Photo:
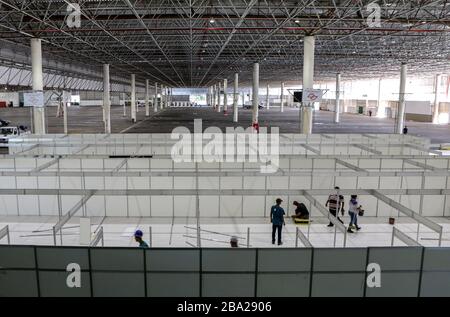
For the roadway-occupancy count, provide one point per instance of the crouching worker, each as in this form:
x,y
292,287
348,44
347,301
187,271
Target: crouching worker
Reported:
x,y
138,238
301,213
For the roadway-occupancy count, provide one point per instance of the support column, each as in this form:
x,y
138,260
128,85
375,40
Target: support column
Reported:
x,y
436,99
337,109
235,97
147,99
225,97
306,110
106,99
267,97
380,110
155,101
282,97
133,97
124,104
401,99
213,96
218,96
255,93
38,84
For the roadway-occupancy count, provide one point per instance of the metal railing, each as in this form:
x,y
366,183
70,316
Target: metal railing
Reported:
x,y
4,232
97,238
396,233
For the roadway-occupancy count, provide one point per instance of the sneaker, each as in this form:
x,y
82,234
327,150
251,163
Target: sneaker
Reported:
x,y
350,230
358,228
330,225
273,242
352,226
280,243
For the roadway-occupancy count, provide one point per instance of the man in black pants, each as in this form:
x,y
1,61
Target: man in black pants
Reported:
x,y
277,220
336,202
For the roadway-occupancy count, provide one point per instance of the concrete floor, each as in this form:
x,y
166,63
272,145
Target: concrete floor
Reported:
x,y
216,232
89,120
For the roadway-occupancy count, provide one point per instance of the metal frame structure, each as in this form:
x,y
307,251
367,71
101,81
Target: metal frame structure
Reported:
x,y
196,43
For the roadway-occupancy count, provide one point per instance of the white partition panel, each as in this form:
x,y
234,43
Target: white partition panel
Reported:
x,y
185,206
411,182
162,206
433,205
254,182
233,182
300,182
8,205
384,210
230,206
28,205
209,206
139,206
368,182
48,205
161,182
184,183
27,182
253,206
435,182
116,206
95,206
346,182
141,182
390,182
323,182
7,182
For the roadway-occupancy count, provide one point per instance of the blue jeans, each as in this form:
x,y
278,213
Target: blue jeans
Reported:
x,y
353,218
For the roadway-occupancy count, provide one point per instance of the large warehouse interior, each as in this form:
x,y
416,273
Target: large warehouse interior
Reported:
x,y
224,148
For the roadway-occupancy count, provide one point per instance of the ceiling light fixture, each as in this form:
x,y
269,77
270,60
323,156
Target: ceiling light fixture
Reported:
x,y
212,20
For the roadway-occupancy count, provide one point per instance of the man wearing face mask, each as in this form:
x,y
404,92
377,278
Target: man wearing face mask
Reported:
x,y
335,203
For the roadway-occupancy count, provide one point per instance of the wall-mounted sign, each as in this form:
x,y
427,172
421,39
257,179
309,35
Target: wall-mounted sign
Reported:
x,y
33,99
312,95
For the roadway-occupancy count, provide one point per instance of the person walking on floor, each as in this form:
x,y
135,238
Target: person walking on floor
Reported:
x,y
335,203
277,220
138,238
353,210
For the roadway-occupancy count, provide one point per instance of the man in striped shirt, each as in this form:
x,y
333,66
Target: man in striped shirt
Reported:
x,y
335,203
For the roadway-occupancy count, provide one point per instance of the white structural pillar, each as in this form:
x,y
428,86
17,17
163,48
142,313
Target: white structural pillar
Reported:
x,y
106,99
380,110
401,99
267,97
306,111
225,97
337,109
38,84
235,97
255,92
155,101
133,97
282,98
161,105
147,98
124,104
218,96
436,99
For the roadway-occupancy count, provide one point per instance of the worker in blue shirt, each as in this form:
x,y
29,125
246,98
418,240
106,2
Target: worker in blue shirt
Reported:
x,y
277,220
138,237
